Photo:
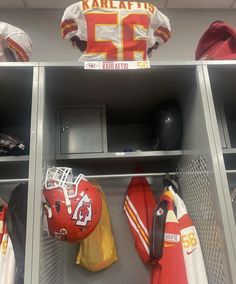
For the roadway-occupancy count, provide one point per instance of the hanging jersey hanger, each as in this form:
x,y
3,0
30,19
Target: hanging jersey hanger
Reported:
x,y
167,181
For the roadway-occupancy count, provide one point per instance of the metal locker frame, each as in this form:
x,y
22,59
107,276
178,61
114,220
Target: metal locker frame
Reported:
x,y
217,194
39,175
225,217
32,162
220,170
31,182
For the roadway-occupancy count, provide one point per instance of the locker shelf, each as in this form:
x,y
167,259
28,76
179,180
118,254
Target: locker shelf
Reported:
x,y
123,155
229,151
8,159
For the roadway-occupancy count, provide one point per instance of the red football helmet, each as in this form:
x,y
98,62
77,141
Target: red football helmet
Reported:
x,y
71,209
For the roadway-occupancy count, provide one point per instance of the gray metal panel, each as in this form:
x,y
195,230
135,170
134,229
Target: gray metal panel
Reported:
x,y
198,140
19,64
222,183
130,136
222,125
52,258
123,155
229,151
196,191
81,130
218,62
129,269
35,260
31,183
47,257
216,187
225,127
16,96
16,159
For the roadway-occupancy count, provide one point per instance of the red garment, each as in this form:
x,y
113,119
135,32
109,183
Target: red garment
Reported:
x,y
170,268
139,207
217,43
2,223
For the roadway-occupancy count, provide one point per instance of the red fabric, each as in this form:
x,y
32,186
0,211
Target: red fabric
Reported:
x,y
171,268
3,228
139,207
217,43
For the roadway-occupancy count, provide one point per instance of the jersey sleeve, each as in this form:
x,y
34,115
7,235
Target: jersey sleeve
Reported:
x,y
71,23
21,46
160,29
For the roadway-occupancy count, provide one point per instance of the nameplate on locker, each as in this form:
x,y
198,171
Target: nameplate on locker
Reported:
x,y
116,65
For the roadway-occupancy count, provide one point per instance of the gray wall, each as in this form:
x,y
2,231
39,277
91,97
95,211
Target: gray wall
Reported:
x,y
43,26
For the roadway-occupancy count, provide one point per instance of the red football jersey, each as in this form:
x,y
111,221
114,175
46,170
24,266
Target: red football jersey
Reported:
x,y
2,222
170,268
115,30
139,207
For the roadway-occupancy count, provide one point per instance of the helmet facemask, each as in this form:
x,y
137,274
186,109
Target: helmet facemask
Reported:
x,y
63,177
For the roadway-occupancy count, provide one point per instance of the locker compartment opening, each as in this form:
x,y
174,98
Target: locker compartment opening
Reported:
x,y
232,190
131,101
15,108
223,86
129,98
16,86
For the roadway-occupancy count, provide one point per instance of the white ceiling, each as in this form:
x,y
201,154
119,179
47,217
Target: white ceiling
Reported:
x,y
175,4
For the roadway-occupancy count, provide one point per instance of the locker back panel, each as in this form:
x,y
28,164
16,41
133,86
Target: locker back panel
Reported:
x,y
196,192
130,137
129,268
16,96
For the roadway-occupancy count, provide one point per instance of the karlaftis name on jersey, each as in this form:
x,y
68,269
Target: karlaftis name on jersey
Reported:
x,y
109,4
106,30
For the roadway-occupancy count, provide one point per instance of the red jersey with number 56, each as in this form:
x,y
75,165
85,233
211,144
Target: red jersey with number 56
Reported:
x,y
115,30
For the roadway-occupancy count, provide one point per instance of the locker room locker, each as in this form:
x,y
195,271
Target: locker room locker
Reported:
x,y
18,89
220,82
131,98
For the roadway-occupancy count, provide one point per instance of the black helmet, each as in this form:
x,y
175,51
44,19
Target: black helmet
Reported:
x,y
168,127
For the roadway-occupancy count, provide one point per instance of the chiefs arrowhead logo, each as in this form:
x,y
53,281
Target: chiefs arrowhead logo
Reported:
x,y
83,211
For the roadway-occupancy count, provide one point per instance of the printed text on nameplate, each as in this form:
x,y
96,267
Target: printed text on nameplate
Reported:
x,y
116,65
